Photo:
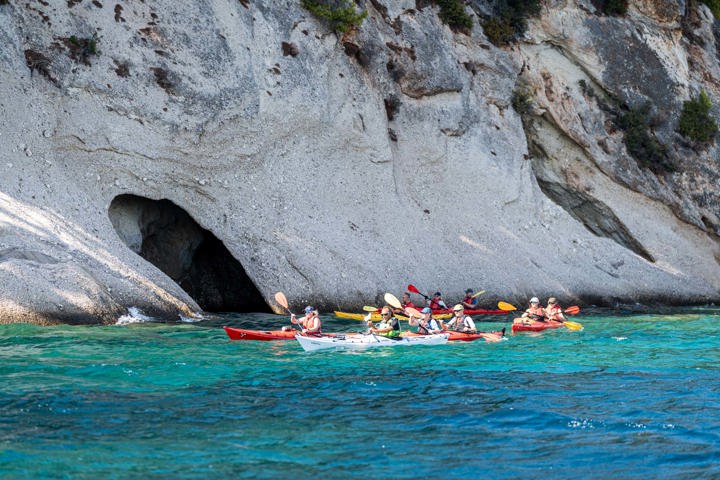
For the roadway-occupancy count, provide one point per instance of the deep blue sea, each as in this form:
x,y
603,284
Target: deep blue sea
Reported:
x,y
633,395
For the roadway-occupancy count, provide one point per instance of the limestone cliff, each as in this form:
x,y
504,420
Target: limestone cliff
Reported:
x,y
175,155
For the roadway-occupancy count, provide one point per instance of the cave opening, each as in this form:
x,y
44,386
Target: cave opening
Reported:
x,y
168,237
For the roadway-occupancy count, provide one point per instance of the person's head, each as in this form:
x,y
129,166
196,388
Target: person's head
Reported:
x,y
309,310
468,292
458,309
552,301
406,297
437,295
386,312
426,312
534,302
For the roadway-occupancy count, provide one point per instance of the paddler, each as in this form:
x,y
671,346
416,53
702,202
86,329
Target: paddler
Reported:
x,y
426,324
389,326
461,322
553,311
534,313
470,302
310,323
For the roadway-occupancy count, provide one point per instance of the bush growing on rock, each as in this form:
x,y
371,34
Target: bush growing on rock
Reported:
x,y
452,13
641,143
616,7
522,100
510,20
695,120
714,7
340,14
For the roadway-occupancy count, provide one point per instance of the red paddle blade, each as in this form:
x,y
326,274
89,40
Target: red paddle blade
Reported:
x,y
412,288
572,310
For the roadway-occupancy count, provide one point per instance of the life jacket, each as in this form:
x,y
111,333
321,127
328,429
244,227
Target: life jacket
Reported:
x,y
408,305
552,312
395,332
536,313
308,324
460,326
430,323
435,305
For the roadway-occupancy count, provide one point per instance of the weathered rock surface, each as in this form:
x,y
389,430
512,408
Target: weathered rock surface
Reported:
x,y
335,169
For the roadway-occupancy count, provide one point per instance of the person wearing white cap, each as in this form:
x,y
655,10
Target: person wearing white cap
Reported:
x,y
310,323
534,313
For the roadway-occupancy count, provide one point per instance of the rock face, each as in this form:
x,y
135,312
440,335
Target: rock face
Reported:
x,y
174,156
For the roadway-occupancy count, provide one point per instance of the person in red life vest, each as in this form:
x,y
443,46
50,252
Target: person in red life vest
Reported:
x,y
405,301
470,302
553,311
534,313
436,302
461,322
310,323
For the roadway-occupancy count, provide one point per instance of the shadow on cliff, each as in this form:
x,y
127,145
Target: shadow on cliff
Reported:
x,y
166,236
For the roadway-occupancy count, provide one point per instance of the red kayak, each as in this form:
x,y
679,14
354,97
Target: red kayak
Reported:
x,y
535,326
461,336
265,335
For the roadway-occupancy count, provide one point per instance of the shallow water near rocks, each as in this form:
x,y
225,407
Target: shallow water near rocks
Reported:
x,y
631,396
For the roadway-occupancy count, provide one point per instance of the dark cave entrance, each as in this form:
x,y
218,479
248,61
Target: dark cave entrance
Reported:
x,y
166,236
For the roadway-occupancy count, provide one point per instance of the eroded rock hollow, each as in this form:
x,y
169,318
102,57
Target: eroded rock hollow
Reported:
x,y
166,236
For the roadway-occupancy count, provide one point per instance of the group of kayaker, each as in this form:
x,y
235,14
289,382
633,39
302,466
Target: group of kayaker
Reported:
x,y
389,325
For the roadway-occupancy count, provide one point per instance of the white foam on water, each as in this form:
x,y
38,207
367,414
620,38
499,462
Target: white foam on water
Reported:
x,y
134,315
195,317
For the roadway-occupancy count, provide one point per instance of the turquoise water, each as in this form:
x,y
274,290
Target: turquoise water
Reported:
x,y
631,396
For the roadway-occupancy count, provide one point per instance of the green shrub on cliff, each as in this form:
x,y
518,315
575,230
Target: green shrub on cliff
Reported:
x,y
522,100
452,13
340,14
695,120
714,7
641,143
616,7
510,20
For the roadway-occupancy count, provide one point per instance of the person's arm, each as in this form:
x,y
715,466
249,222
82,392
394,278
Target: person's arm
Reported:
x,y
470,324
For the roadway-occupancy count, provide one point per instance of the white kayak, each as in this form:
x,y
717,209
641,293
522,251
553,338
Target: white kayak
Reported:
x,y
363,341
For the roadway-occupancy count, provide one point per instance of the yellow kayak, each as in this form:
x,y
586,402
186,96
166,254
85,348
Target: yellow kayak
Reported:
x,y
375,317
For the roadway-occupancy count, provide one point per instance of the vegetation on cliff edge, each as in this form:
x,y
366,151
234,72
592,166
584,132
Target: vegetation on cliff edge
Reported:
x,y
340,15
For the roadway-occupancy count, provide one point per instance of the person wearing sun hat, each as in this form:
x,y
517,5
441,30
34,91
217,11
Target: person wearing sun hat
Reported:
x,y
553,311
461,322
310,323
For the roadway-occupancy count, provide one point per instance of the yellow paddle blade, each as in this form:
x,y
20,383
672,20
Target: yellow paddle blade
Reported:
x,y
478,293
281,299
506,306
392,300
573,325
368,308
